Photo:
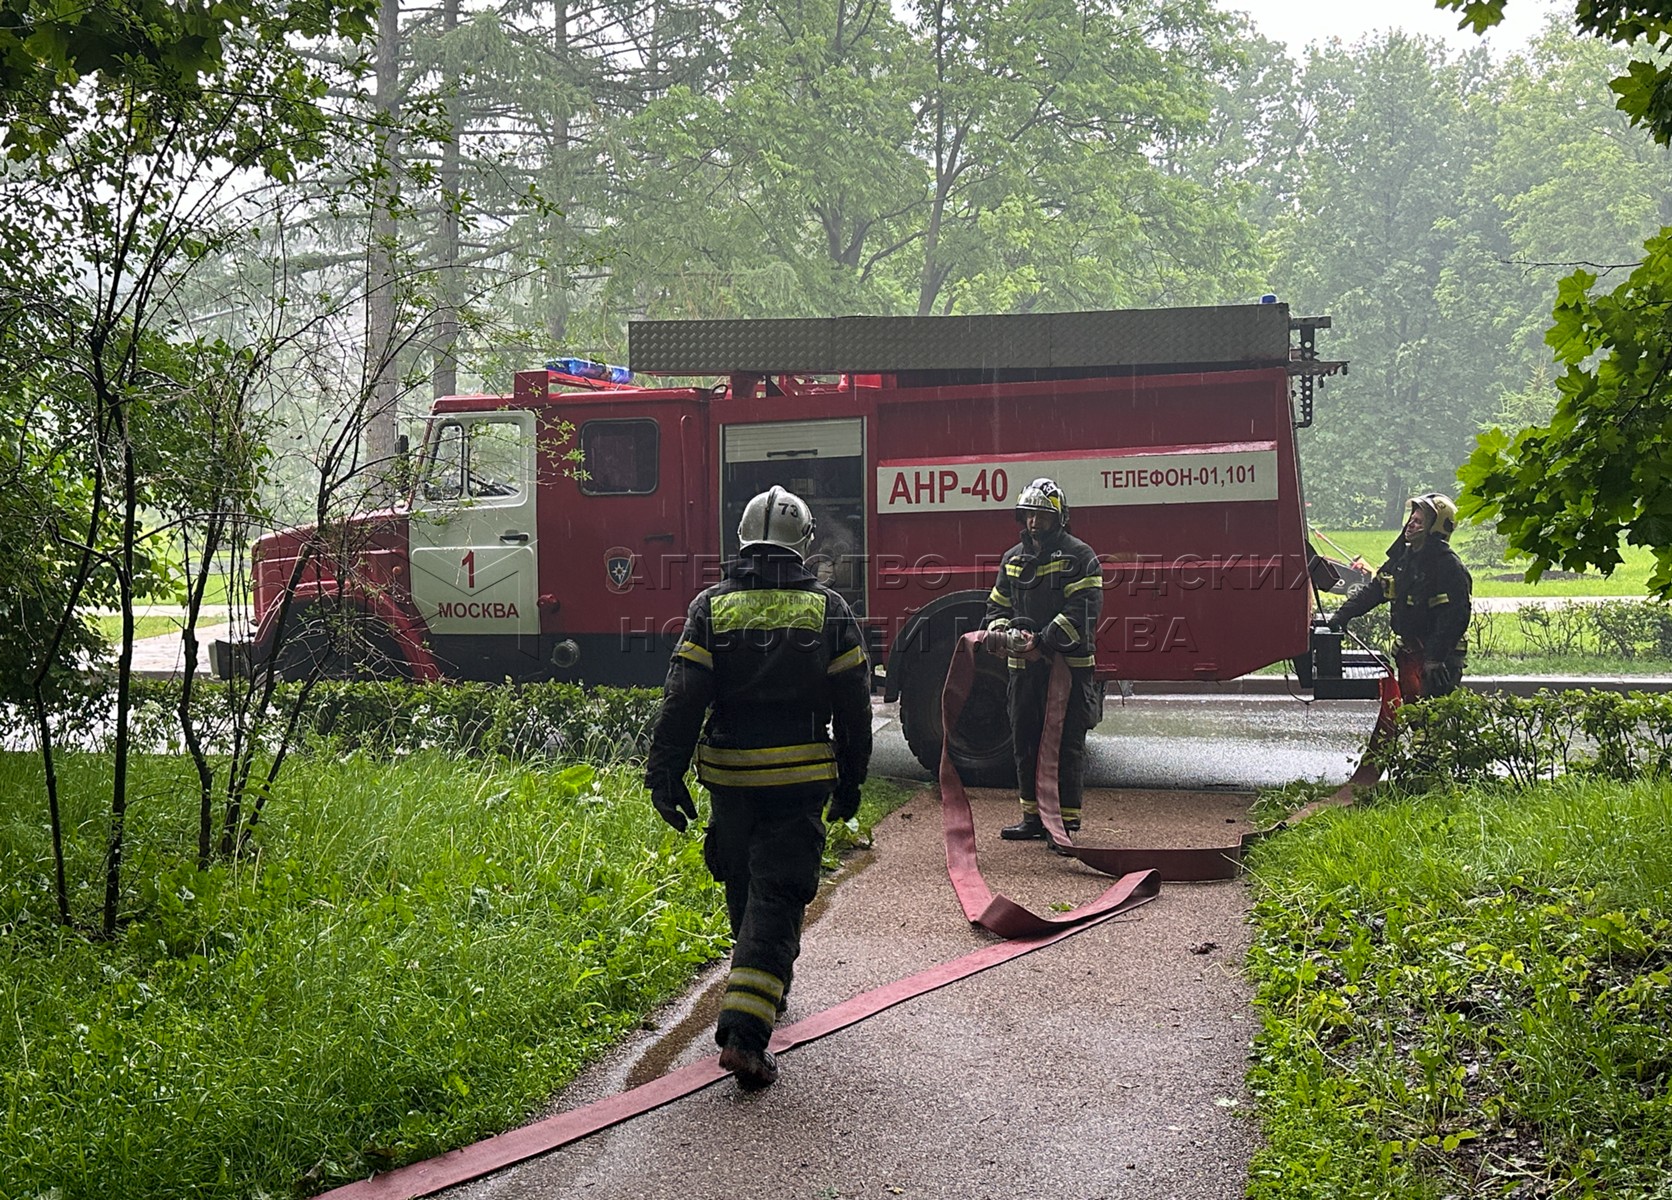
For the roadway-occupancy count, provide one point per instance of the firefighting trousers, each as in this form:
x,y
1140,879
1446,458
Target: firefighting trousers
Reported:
x,y
1028,688
765,851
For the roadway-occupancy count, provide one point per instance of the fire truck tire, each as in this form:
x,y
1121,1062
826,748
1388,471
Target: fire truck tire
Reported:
x,y
981,746
357,647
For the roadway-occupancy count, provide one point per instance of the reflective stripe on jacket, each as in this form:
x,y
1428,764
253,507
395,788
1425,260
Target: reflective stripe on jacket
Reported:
x,y
1054,592
1429,590
769,685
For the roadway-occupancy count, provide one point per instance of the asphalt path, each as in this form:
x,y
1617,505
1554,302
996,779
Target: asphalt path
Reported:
x,y
1108,1065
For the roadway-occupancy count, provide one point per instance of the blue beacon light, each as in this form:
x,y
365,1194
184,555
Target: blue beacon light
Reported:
x,y
585,368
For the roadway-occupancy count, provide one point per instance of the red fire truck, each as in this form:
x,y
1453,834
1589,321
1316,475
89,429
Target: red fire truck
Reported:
x,y
559,532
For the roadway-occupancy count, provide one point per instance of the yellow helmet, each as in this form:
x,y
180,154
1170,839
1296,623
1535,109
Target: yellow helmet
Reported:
x,y
1442,513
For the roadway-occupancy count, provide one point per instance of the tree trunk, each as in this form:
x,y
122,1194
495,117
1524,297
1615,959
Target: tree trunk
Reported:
x,y
444,376
562,194
381,307
124,674
43,726
949,145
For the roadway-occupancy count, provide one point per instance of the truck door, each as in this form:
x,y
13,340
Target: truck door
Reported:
x,y
823,462
473,541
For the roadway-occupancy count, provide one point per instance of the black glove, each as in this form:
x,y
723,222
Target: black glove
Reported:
x,y
844,803
1336,624
673,803
1436,678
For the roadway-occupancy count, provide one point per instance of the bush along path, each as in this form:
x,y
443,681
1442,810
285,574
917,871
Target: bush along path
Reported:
x,y
1466,991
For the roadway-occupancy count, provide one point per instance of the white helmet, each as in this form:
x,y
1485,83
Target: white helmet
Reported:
x,y
777,518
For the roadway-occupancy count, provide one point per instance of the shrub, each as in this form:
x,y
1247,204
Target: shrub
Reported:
x,y
1470,738
521,722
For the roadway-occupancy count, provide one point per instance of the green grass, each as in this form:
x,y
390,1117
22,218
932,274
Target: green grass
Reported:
x,y
1467,995
420,954
144,627
1557,665
1630,579
1569,665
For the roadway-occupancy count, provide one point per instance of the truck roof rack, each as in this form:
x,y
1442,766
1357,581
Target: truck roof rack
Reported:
x,y
1136,341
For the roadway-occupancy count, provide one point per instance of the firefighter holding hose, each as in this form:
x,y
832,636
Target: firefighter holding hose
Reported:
x,y
1428,587
1047,602
770,688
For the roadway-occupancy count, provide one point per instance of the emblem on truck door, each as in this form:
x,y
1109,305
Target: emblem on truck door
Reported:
x,y
618,569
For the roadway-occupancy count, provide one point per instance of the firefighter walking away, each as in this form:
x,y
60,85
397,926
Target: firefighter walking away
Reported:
x,y
1429,588
770,689
1047,601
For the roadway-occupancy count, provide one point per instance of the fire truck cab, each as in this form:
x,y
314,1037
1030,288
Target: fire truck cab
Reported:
x,y
559,532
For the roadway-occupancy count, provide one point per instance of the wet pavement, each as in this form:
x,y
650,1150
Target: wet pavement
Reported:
x,y
1195,742
1108,1065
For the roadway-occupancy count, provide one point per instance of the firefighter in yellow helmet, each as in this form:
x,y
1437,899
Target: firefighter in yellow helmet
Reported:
x,y
1428,587
1046,602
770,689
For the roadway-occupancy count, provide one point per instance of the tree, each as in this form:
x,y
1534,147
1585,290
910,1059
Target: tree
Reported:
x,y
155,46
1053,134
123,426
1568,491
783,190
1382,238
977,157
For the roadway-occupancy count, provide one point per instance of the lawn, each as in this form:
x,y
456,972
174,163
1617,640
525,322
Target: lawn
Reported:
x,y
144,627
419,954
1629,580
1467,996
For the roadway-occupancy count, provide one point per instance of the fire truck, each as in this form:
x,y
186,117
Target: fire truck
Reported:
x,y
559,532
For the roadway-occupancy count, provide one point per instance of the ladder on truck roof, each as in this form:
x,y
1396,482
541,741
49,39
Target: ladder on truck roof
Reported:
x,y
1134,341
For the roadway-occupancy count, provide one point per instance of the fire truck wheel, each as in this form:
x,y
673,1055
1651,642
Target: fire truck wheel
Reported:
x,y
325,645
981,744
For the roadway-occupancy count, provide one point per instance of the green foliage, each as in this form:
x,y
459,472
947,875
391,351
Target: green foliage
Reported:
x,y
1467,996
1476,739
155,48
521,722
421,953
1588,638
981,157
1437,253
1569,491
1386,244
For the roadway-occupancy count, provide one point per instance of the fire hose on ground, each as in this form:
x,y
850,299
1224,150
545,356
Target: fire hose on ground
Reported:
x,y
1139,874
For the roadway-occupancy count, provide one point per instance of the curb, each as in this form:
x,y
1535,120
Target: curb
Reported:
x,y
1515,685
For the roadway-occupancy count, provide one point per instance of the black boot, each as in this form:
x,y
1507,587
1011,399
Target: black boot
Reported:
x,y
1069,826
755,1069
1029,829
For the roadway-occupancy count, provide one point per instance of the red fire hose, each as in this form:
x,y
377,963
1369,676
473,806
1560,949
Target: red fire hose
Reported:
x,y
1007,919
1140,872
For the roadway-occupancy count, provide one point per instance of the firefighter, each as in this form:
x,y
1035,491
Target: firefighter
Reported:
x,y
770,687
1428,586
1046,602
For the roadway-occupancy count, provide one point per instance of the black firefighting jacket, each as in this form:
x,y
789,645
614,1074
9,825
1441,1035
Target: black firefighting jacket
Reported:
x,y
775,662
1429,591
1053,590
